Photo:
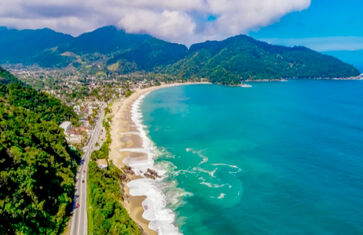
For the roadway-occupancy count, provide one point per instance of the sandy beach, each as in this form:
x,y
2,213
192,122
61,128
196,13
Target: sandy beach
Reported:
x,y
125,136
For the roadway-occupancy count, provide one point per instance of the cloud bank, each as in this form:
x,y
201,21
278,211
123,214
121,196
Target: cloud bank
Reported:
x,y
183,21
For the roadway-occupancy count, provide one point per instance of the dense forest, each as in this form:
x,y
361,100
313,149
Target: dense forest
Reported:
x,y
37,166
242,57
106,46
115,51
105,212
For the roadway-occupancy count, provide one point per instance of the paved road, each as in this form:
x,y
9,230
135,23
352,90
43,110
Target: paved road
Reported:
x,y
79,218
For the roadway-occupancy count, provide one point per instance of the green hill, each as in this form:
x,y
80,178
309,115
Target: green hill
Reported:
x,y
29,46
113,50
106,45
37,165
242,57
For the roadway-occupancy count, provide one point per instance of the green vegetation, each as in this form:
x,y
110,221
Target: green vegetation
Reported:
x,y
31,46
105,212
104,46
242,57
128,92
38,167
19,95
108,52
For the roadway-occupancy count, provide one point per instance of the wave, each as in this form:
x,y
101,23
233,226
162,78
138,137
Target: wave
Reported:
x,y
156,204
161,218
211,173
130,133
133,150
238,170
178,172
213,185
199,154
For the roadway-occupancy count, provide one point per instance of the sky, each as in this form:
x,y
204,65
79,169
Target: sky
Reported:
x,y
323,25
327,25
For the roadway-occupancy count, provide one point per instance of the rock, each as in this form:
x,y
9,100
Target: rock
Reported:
x,y
152,172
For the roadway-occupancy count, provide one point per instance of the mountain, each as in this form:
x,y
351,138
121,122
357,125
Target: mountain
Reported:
x,y
37,167
104,40
242,57
353,57
113,50
106,45
28,46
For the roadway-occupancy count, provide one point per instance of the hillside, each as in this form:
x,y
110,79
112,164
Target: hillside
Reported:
x,y
106,46
37,165
242,57
112,50
31,46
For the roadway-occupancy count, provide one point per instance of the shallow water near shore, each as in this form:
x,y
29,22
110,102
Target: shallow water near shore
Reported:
x,y
277,158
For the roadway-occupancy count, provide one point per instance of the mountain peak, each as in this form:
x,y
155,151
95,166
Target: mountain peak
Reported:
x,y
224,61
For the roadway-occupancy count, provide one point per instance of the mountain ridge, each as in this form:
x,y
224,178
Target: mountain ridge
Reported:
x,y
227,61
241,57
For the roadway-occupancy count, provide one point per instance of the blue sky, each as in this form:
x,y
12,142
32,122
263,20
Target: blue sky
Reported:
x,y
326,25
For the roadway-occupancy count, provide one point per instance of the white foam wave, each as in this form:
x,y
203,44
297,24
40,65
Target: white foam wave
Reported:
x,y
238,170
176,173
210,185
155,205
211,173
224,164
175,195
133,150
165,153
161,219
199,154
138,165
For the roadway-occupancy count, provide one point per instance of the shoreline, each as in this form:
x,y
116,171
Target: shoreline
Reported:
x,y
127,145
316,78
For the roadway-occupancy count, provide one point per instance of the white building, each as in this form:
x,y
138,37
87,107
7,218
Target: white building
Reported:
x,y
102,163
66,126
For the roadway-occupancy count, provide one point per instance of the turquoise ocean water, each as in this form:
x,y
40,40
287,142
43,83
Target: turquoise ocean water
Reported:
x,y
277,158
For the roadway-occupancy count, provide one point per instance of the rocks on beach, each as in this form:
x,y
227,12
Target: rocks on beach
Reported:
x,y
152,174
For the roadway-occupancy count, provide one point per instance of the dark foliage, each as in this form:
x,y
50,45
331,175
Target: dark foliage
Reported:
x,y
242,57
20,95
37,167
225,62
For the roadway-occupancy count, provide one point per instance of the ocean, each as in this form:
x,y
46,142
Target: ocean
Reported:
x,y
277,158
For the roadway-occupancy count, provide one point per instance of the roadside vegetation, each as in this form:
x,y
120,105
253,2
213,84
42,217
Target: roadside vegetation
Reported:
x,y
105,212
37,167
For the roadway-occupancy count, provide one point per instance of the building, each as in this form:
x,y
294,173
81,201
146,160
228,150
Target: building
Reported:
x,y
66,126
102,163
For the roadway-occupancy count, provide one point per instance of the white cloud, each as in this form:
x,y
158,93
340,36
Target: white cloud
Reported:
x,y
182,21
166,24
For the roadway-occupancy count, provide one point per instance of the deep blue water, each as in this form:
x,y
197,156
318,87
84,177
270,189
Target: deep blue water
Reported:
x,y
277,158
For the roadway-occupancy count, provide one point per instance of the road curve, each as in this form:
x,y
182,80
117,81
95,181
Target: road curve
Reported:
x,y
79,223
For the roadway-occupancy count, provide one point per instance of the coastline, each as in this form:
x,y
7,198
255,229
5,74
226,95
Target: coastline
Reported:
x,y
359,77
128,145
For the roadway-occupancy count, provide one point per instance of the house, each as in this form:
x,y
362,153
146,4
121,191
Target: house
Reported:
x,y
102,163
66,126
